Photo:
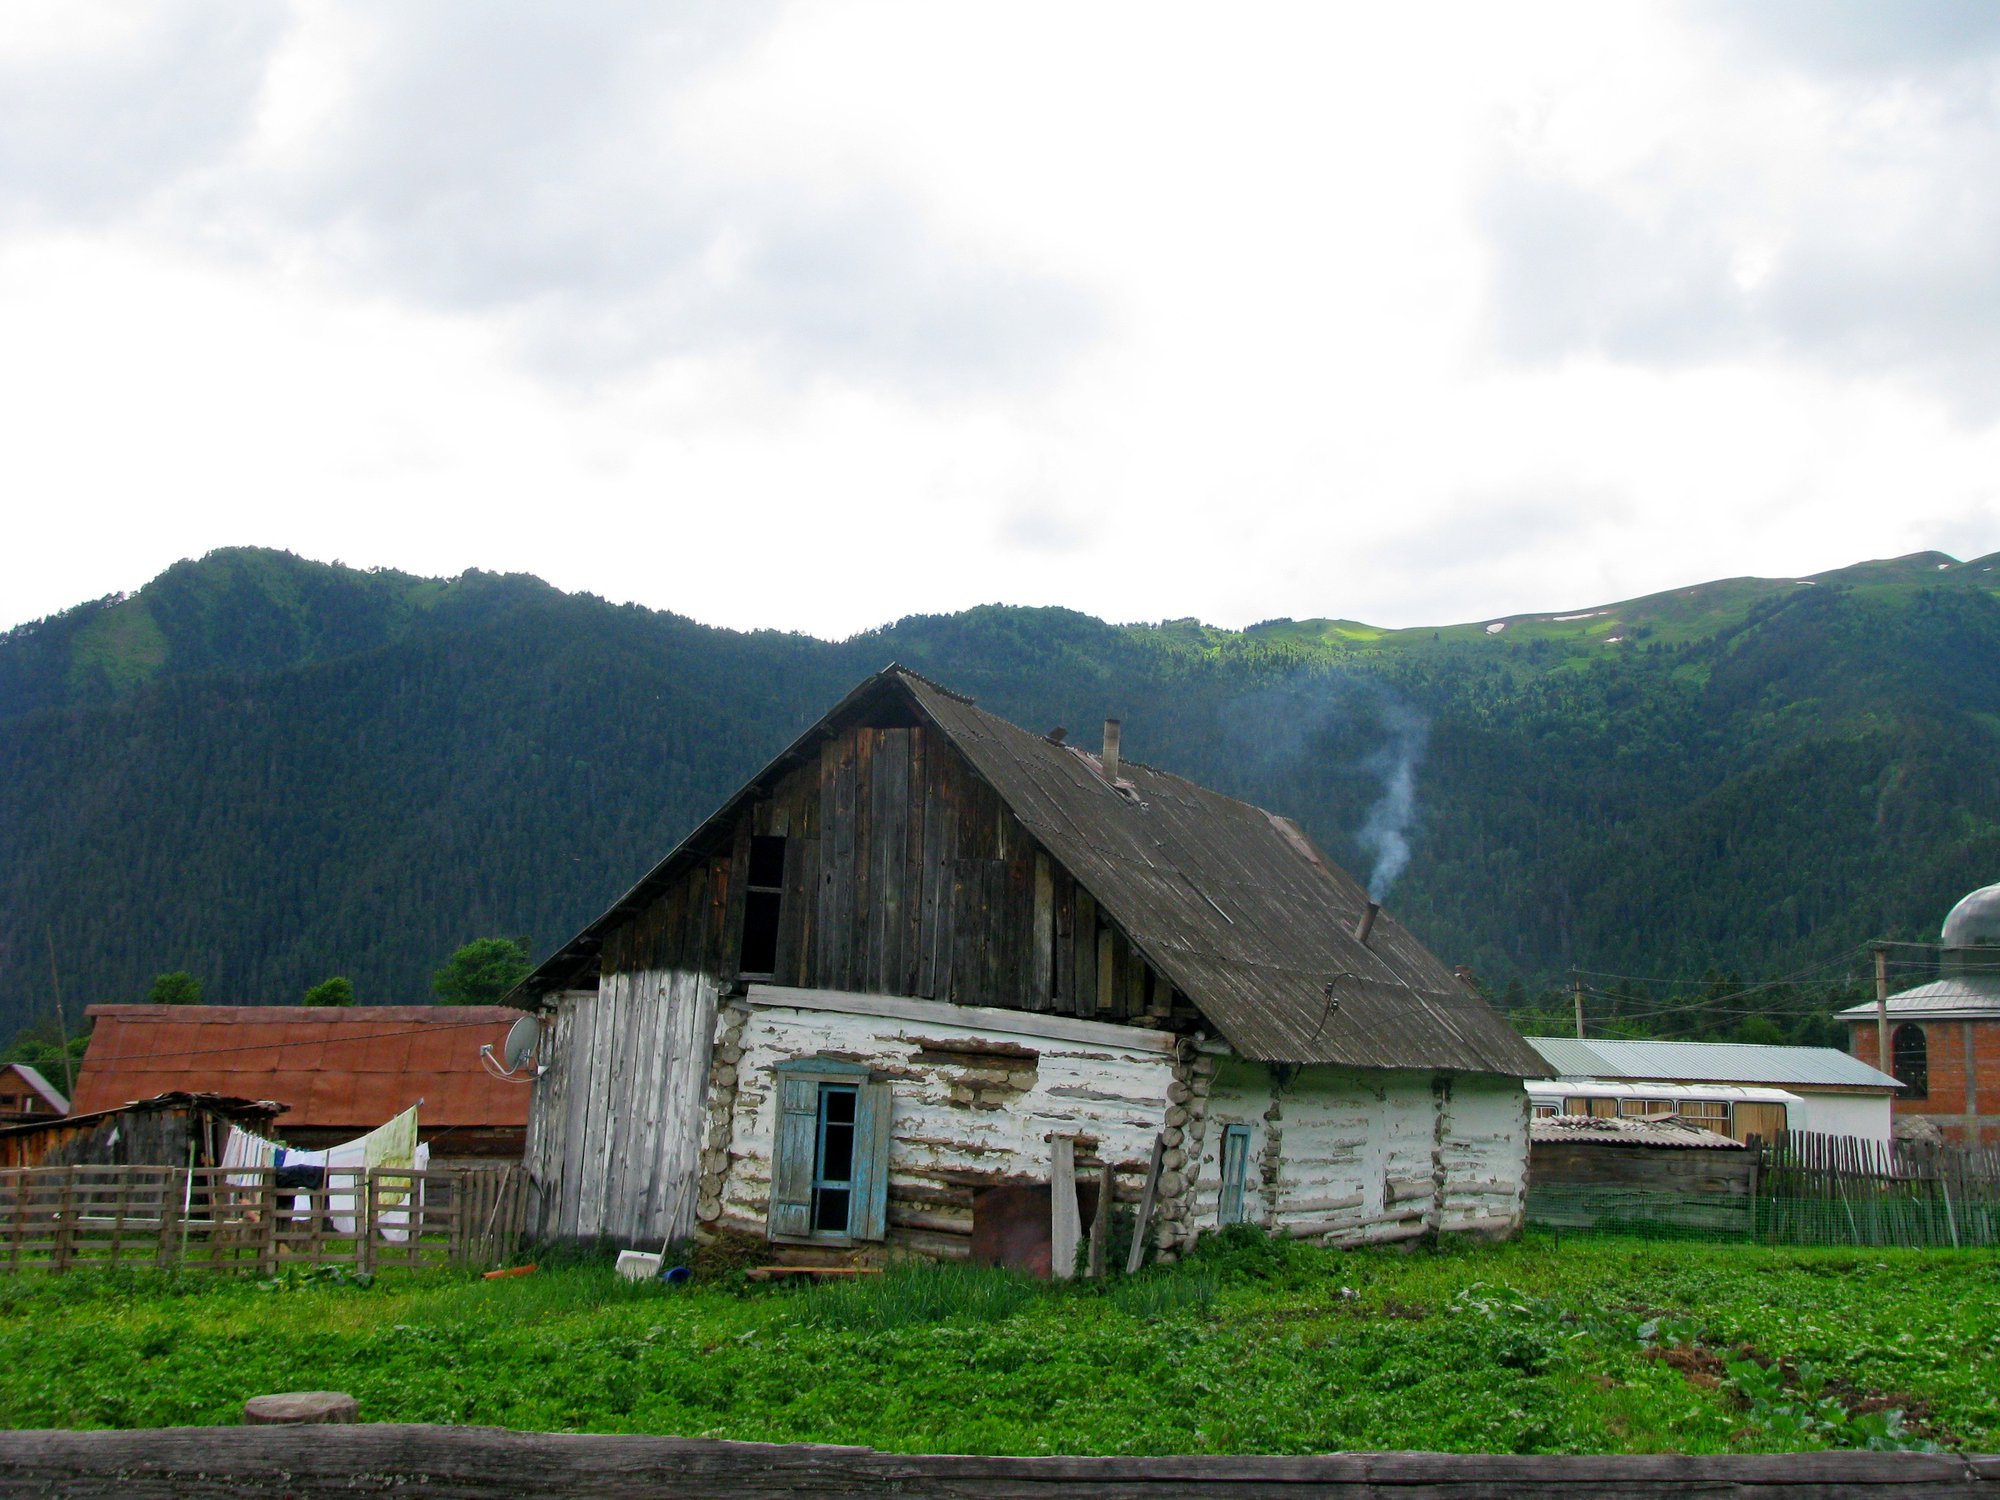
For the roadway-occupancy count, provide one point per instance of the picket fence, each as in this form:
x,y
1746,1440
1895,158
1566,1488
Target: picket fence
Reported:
x,y
1801,1188
1841,1190
239,1219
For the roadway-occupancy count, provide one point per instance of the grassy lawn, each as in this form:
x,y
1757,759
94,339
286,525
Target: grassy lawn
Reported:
x,y
1254,1348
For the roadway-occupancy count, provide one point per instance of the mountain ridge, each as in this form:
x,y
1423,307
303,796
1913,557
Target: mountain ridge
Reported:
x,y
1756,775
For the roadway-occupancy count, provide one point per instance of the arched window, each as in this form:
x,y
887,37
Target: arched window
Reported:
x,y
1909,1059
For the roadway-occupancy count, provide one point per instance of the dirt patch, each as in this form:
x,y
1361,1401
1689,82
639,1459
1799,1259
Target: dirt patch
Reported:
x,y
1699,1366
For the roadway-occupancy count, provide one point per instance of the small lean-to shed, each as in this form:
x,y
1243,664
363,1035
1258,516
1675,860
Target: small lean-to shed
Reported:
x,y
1593,1171
174,1129
924,954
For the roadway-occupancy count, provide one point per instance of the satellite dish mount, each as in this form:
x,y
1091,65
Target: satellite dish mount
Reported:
x,y
524,1038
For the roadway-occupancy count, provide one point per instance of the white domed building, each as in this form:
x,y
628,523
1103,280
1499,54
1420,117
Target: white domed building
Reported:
x,y
1944,1036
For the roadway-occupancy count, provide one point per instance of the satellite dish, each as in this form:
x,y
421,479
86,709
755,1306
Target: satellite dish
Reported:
x,y
522,1038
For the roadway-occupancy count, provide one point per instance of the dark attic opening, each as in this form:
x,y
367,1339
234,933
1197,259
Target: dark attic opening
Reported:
x,y
763,899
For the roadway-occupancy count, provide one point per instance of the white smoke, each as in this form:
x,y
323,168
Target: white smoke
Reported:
x,y
1385,831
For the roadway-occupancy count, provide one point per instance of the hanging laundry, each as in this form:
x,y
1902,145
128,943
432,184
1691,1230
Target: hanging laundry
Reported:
x,y
388,1146
247,1152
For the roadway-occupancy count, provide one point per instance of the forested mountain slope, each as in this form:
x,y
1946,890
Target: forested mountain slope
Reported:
x,y
267,770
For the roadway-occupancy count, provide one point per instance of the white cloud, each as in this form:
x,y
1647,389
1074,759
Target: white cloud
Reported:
x,y
815,316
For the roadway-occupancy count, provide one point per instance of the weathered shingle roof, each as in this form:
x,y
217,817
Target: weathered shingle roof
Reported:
x,y
1238,908
345,1066
1232,904
1707,1062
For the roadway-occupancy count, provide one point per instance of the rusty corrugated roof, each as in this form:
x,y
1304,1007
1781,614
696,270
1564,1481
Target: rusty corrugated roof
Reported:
x,y
1233,904
351,1066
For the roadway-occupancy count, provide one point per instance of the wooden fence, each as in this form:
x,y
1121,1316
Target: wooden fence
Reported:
x,y
1799,1189
1843,1190
241,1219
320,1463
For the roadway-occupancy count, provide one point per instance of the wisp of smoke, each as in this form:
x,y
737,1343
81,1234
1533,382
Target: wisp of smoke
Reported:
x,y
1385,831
1289,730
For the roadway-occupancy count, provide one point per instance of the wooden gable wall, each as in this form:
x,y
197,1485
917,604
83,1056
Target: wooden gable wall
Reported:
x,y
904,874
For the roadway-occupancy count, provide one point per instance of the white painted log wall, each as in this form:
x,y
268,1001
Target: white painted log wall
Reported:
x,y
1355,1152
1485,1155
940,1150
614,1129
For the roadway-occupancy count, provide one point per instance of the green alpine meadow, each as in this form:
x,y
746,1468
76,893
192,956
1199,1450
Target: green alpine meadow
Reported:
x,y
1252,1346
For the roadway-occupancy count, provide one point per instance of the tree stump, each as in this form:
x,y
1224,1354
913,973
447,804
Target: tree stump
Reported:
x,y
295,1408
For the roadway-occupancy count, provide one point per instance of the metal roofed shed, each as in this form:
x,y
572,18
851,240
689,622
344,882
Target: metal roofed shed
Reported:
x,y
1837,1094
1666,1175
341,1070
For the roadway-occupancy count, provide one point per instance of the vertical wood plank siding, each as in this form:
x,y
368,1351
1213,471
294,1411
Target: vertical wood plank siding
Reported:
x,y
904,874
614,1149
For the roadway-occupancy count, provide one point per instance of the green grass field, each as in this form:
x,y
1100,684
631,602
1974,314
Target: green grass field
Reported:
x,y
1255,1348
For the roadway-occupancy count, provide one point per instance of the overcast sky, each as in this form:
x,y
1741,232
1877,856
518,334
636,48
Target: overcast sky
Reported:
x,y
813,316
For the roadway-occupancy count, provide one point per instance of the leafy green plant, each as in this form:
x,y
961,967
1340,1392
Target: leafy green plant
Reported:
x,y
916,1292
1167,1292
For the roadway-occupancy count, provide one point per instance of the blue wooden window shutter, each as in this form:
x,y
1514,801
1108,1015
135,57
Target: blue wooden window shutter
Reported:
x,y
795,1164
792,1155
870,1212
1235,1166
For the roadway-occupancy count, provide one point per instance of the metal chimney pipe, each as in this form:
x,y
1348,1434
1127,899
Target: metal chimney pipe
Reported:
x,y
1110,756
1367,923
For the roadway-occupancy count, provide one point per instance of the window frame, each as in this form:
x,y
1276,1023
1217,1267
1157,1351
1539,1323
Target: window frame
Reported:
x,y
1901,1058
751,891
796,1166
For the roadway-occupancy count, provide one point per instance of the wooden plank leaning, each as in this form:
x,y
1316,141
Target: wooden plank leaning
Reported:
x,y
1147,1198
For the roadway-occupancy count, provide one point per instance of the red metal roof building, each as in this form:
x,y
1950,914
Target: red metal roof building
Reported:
x,y
341,1070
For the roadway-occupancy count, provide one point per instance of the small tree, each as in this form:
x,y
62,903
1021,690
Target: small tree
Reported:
x,y
482,971
177,988
335,991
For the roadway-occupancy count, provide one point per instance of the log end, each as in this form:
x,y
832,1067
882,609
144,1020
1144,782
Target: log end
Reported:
x,y
296,1408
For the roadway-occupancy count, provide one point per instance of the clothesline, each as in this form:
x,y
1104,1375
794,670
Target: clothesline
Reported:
x,y
391,1145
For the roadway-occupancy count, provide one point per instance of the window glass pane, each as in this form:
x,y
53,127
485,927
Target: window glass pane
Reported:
x,y
833,1173
830,1211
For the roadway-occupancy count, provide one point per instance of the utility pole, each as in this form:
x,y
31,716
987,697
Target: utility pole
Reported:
x,y
62,1022
1576,994
1882,1007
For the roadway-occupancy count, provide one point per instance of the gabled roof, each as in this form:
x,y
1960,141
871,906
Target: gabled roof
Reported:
x,y
32,1077
332,1066
1708,1062
1232,904
1971,996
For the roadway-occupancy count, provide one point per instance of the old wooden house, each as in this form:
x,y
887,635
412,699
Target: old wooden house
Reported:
x,y
925,953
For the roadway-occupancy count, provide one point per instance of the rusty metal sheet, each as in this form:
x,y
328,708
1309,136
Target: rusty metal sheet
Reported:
x,y
346,1069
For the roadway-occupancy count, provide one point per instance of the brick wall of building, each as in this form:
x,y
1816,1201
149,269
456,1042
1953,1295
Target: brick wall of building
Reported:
x,y
1964,1095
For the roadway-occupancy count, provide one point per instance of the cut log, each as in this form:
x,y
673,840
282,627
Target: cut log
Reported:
x,y
300,1409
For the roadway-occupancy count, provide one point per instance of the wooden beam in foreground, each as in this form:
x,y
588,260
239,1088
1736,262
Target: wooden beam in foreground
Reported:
x,y
471,1463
